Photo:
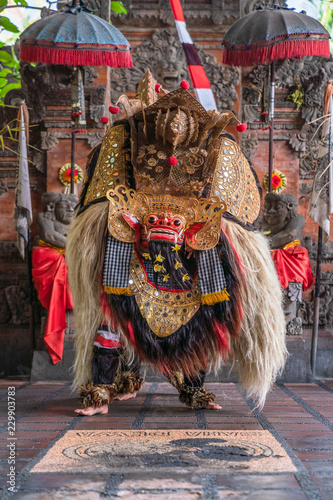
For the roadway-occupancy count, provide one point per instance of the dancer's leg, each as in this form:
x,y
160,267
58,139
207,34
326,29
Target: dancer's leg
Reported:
x,y
112,377
192,391
96,395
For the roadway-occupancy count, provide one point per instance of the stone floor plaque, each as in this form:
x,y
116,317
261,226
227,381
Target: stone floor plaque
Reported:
x,y
203,451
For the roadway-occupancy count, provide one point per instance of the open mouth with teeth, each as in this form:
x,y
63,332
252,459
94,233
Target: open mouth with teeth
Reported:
x,y
163,227
163,234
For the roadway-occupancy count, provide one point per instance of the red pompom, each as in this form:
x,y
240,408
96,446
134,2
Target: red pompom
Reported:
x,y
114,110
172,160
184,85
241,127
158,88
104,120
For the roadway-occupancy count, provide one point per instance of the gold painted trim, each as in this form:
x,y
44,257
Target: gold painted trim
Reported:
x,y
57,249
119,290
165,311
294,243
214,298
110,170
234,183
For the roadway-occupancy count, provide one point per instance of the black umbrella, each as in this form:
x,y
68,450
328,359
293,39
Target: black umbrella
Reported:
x,y
269,34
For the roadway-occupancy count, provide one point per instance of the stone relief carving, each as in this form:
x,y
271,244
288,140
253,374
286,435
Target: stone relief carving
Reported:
x,y
305,310
89,74
43,81
211,12
100,7
249,144
3,188
5,313
94,138
311,246
38,81
96,112
312,73
252,5
18,303
163,54
97,105
9,252
39,160
250,104
48,140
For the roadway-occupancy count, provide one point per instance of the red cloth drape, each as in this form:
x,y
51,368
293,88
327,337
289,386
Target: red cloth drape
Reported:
x,y
50,278
293,265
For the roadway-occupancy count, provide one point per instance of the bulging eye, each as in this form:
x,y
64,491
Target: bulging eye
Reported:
x,y
177,222
151,219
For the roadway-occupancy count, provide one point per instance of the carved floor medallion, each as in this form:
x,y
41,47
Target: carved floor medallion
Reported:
x,y
169,451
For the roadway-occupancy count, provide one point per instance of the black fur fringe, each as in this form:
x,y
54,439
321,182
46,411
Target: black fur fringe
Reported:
x,y
194,345
90,169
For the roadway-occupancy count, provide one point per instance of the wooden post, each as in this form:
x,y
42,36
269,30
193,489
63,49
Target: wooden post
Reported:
x,y
271,128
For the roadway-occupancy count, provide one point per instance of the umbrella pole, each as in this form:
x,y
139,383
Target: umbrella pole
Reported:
x,y
73,161
271,128
316,306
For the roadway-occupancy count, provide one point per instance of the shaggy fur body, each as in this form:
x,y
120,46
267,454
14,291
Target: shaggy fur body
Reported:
x,y
85,254
259,354
253,317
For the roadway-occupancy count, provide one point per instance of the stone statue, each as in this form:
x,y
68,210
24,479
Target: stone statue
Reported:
x,y
54,221
284,226
281,219
50,269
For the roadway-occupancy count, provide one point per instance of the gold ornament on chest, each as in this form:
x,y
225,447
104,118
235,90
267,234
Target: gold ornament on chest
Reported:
x,y
165,311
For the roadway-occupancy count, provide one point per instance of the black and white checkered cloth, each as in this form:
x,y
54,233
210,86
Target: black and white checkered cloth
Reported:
x,y
210,272
116,269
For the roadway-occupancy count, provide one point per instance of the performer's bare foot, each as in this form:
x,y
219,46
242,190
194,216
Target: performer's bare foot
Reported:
x,y
212,406
93,410
123,397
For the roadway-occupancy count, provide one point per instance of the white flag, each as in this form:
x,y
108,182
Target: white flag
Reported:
x,y
23,211
321,199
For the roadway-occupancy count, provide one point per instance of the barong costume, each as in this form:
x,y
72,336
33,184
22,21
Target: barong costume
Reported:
x,y
161,246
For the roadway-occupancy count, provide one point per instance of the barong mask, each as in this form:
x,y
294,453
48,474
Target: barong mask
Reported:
x,y
165,218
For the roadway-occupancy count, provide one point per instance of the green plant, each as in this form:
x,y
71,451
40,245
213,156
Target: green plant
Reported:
x,y
325,14
10,77
297,96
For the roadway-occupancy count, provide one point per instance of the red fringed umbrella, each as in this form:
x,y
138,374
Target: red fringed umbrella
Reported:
x,y
75,37
269,34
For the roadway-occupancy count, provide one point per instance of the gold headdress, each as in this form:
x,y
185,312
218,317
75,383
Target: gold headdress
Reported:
x,y
182,162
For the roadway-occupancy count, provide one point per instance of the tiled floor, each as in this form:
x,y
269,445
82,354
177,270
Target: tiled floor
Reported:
x,y
298,416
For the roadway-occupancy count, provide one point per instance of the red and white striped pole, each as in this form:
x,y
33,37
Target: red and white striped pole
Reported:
x,y
200,82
